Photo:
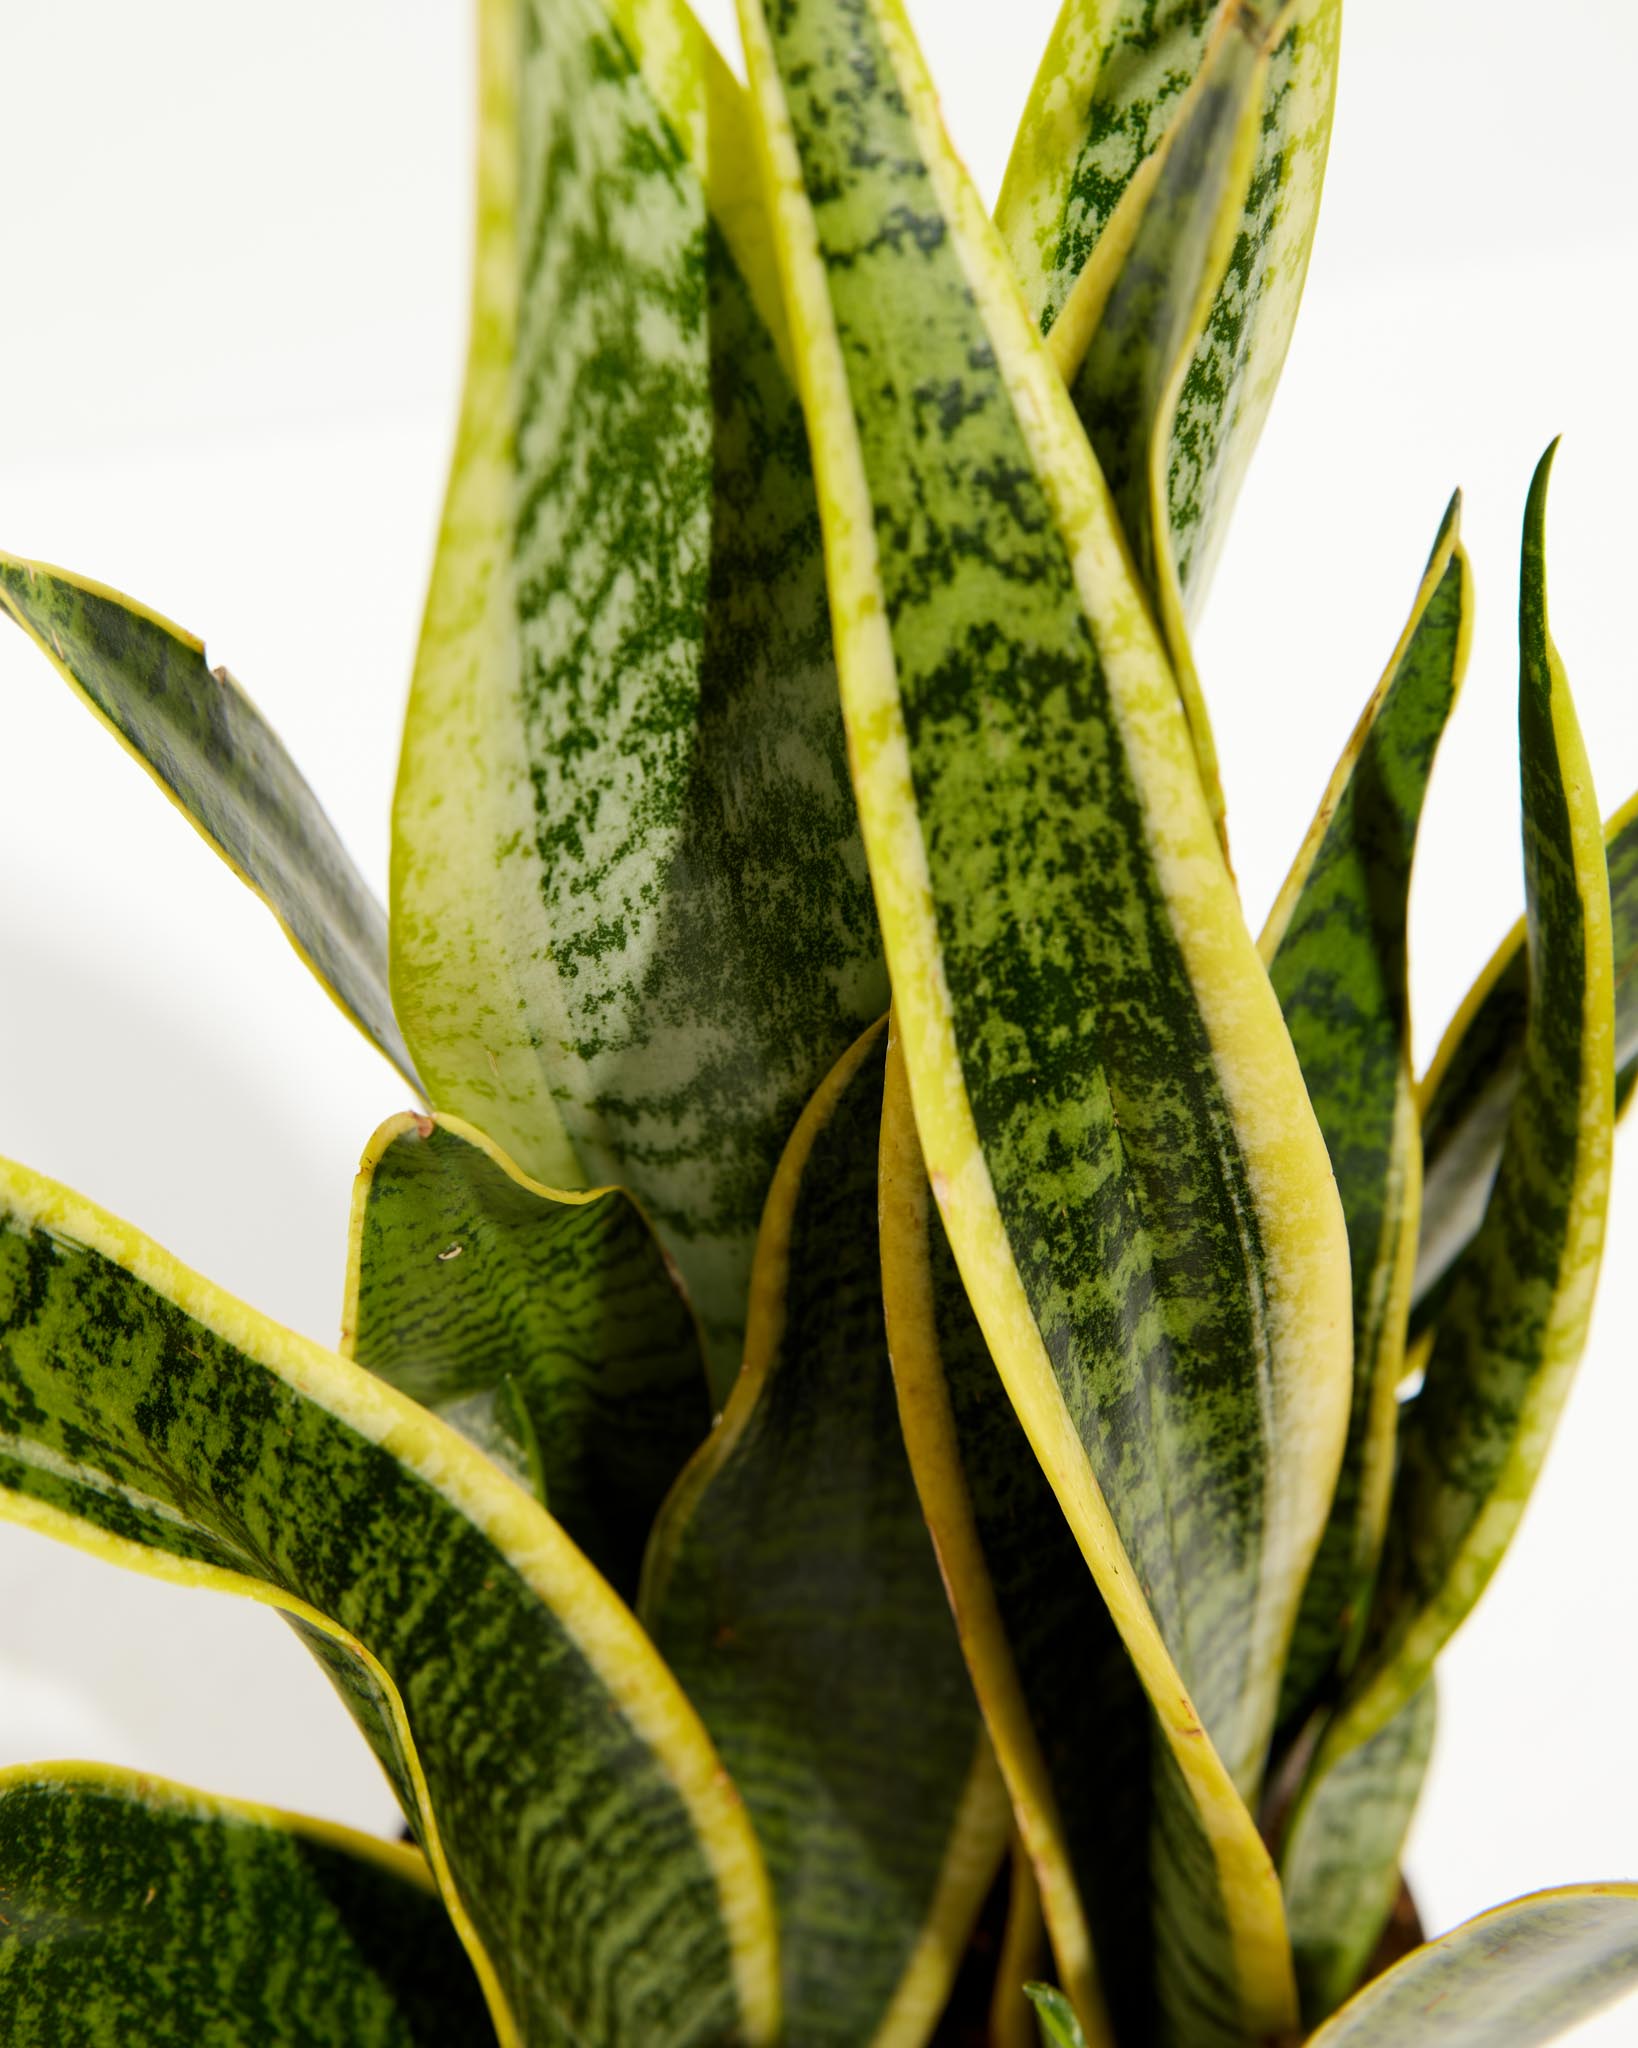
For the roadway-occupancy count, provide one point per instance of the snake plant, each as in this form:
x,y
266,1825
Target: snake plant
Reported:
x,y
915,1404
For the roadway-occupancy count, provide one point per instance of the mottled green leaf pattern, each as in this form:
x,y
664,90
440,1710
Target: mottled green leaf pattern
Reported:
x,y
1109,84
1513,1325
207,746
577,1818
1340,1861
137,1914
1468,1094
631,922
1130,1897
1133,1183
1513,1978
1335,944
544,1326
792,1588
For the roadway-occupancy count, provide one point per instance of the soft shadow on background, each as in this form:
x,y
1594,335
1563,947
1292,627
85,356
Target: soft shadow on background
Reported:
x,y
235,308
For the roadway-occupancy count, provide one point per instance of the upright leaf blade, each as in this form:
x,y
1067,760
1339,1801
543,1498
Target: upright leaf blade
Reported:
x,y
472,1288
631,921
1133,1925
1339,1863
1132,1180
791,1587
593,1856
1137,314
1512,1328
132,1910
1468,1092
1110,85
1335,944
208,748
1513,1978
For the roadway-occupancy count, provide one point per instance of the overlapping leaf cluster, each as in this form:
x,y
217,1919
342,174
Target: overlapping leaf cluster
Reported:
x,y
917,1407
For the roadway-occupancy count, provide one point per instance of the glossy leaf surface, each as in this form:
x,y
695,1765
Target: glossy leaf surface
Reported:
x,y
207,746
1340,1861
1468,1093
1133,1184
594,1857
1335,944
1127,1887
134,1911
1512,1327
631,921
792,1589
1109,89
479,1293
1514,1978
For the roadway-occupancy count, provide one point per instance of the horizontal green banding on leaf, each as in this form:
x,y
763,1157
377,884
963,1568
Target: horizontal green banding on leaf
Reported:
x,y
631,920
1467,1095
1513,1978
1340,1861
480,1293
1153,285
1134,1186
1066,1713
1110,95
792,1589
1335,943
1514,1321
1105,95
136,1911
208,747
587,1842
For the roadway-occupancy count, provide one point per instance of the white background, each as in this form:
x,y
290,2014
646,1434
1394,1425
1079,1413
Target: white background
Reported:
x,y
231,324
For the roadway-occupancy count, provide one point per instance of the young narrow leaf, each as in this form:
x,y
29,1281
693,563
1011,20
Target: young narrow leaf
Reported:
x,y
1023,1952
791,1587
208,748
1513,1325
1513,1978
1335,945
1135,1926
1468,1092
1110,84
136,1911
631,921
1132,1180
1340,1861
591,1851
544,1325
1144,300
1059,2026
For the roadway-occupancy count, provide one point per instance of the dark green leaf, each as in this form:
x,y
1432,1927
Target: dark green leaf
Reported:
x,y
792,1588
546,1327
207,746
137,1914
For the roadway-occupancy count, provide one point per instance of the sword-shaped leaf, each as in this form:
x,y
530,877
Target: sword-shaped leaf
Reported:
x,y
547,1327
1132,1180
133,1911
792,1588
1129,333
1110,84
1513,1978
207,746
631,921
1335,945
1339,1864
1060,2028
1513,1325
591,1851
1468,1091
1098,1809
